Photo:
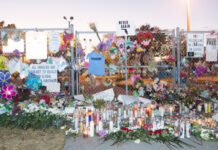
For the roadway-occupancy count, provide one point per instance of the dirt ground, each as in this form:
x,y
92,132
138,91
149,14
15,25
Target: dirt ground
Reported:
x,y
18,139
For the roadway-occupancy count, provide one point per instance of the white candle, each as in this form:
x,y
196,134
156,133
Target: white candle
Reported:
x,y
92,129
199,108
100,126
76,123
162,123
182,130
154,125
124,114
111,125
205,108
188,127
118,122
176,128
162,111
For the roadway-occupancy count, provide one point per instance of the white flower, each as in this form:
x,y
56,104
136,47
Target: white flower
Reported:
x,y
137,141
63,127
115,129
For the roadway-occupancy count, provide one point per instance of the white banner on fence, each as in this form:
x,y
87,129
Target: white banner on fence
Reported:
x,y
46,72
125,27
211,49
36,45
195,45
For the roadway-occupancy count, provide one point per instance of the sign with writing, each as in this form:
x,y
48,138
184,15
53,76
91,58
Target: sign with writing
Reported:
x,y
211,48
195,45
46,72
125,28
54,41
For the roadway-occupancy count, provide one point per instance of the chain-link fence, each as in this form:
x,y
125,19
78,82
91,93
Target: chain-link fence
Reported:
x,y
150,55
198,69
20,63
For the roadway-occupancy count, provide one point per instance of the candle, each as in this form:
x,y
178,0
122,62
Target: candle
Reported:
x,y
199,107
124,114
176,128
76,123
171,110
182,130
100,126
209,107
162,123
85,133
118,122
92,129
199,121
139,122
188,128
87,120
136,113
111,125
81,127
97,118
205,108
162,111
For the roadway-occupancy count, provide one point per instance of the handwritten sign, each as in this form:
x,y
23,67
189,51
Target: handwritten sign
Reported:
x,y
195,45
54,41
46,72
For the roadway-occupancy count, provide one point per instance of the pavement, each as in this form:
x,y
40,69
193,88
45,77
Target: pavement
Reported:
x,y
96,143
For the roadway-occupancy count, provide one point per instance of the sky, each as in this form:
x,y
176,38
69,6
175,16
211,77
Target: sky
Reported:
x,y
166,14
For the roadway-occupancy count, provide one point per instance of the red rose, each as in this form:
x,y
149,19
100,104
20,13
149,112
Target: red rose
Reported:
x,y
150,132
46,98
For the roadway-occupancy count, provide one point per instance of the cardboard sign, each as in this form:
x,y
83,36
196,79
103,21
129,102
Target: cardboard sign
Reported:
x,y
46,72
53,87
211,48
195,45
125,28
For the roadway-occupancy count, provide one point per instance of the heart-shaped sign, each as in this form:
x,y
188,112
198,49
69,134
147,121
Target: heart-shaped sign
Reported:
x,y
147,35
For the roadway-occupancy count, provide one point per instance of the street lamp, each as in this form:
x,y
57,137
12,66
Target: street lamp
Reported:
x,y
69,21
188,14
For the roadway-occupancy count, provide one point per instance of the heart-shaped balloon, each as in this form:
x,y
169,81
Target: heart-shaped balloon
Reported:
x,y
147,35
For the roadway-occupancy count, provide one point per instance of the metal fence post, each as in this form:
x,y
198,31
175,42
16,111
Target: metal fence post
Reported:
x,y
72,60
76,61
178,56
174,55
126,66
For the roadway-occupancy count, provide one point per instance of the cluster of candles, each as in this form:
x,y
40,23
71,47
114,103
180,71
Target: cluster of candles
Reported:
x,y
87,120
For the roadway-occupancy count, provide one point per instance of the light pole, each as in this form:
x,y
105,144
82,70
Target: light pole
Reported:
x,y
69,21
188,14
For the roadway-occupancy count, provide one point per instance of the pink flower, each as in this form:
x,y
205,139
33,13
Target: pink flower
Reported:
x,y
8,91
62,47
134,77
170,58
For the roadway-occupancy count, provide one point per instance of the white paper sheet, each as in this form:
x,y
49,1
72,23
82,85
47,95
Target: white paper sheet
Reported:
x,y
36,45
107,95
13,45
